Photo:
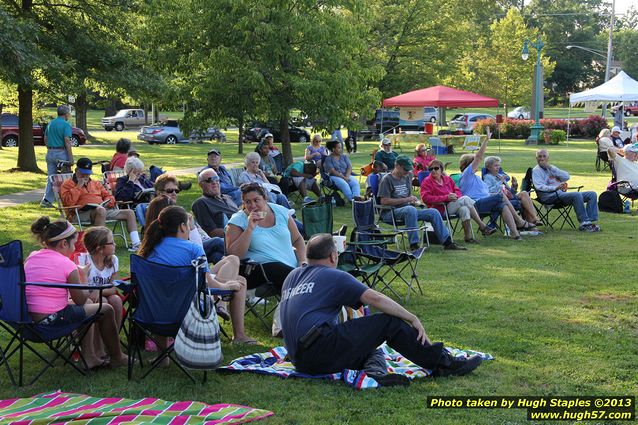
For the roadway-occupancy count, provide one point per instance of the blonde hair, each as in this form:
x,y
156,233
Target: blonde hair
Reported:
x,y
95,238
465,160
418,147
605,132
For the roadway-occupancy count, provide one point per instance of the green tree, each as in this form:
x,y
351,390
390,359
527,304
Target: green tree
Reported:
x,y
264,58
626,42
496,69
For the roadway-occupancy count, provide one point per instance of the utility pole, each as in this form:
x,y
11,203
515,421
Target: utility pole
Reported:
x,y
609,48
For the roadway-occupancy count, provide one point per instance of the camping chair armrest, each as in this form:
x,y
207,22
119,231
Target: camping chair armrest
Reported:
x,y
126,204
71,207
576,188
372,242
220,292
68,285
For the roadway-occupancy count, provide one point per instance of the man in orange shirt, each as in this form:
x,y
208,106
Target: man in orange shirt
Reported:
x,y
95,202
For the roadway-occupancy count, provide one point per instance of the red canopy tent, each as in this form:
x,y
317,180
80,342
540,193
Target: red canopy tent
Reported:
x,y
440,96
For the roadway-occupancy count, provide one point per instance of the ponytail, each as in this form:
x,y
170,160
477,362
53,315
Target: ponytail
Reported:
x,y
167,224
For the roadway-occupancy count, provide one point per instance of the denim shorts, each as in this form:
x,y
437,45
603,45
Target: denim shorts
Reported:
x,y
70,314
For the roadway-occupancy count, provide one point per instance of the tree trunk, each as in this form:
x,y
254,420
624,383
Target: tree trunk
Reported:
x,y
111,109
81,107
240,127
1,106
145,114
26,151
285,138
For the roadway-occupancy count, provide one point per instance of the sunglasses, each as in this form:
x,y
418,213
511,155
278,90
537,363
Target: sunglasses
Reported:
x,y
109,243
434,168
211,180
172,190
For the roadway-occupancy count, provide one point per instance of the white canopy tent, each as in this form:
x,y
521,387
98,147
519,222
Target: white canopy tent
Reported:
x,y
621,88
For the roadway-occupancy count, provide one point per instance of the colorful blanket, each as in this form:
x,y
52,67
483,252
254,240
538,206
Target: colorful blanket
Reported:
x,y
66,408
275,362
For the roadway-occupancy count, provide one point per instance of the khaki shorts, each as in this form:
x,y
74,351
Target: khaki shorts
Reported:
x,y
299,180
86,215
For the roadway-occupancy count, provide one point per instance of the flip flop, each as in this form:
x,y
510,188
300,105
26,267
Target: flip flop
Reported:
x,y
249,341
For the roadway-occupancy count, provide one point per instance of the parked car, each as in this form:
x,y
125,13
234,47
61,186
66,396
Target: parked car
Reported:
x,y
11,132
210,133
127,118
630,110
520,113
297,134
165,132
467,122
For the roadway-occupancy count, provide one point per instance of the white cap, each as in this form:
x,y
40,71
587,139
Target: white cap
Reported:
x,y
386,141
268,135
615,128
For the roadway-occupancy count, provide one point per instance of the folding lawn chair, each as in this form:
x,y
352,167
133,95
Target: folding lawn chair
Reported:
x,y
63,341
56,184
260,305
371,242
545,208
162,296
626,191
317,218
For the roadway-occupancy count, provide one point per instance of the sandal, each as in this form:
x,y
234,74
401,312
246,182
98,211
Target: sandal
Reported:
x,y
488,231
247,341
526,226
222,312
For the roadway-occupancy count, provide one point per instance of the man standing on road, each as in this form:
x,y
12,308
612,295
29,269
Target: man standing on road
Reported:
x,y
311,300
57,139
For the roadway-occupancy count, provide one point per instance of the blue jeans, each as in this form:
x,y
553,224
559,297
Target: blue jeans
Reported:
x,y
411,215
235,195
214,249
350,188
52,158
578,200
492,205
279,199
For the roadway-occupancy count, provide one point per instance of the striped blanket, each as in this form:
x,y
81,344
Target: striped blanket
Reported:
x,y
275,362
66,408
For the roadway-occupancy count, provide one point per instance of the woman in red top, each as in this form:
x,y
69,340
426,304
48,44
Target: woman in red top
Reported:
x,y
438,189
121,154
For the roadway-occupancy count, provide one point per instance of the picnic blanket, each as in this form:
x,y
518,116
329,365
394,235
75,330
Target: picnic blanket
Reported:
x,y
67,408
275,362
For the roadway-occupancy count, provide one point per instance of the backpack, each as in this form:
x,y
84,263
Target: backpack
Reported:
x,y
609,201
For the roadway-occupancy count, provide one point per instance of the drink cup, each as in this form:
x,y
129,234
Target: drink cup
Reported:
x,y
340,242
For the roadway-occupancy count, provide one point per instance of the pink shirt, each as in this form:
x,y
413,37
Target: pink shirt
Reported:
x,y
50,266
423,161
433,191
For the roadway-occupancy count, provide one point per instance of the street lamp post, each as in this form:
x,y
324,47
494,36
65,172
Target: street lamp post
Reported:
x,y
538,89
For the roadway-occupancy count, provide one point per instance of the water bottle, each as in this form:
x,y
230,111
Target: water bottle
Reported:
x,y
334,201
627,208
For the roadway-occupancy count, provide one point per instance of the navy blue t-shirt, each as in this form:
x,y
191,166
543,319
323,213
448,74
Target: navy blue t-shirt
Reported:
x,y
312,296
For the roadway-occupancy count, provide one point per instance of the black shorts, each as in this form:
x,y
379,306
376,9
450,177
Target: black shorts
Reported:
x,y
70,314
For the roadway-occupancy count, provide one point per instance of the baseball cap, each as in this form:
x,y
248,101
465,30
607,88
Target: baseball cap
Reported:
x,y
405,162
214,152
85,166
633,147
267,135
615,128
133,151
386,141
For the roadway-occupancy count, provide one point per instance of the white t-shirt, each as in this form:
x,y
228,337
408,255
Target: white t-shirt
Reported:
x,y
98,277
626,170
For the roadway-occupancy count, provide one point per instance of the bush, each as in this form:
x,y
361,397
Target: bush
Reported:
x,y
520,129
558,136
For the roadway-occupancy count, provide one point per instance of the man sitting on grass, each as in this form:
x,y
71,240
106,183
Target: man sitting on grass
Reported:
x,y
311,300
550,183
95,203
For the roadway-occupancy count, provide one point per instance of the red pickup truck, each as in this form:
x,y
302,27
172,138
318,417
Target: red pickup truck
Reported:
x,y
630,110
11,132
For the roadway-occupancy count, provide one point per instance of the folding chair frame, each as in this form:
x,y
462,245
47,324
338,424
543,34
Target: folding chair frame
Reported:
x,y
262,293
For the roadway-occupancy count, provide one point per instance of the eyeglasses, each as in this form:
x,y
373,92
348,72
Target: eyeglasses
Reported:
x,y
434,168
172,191
211,180
109,243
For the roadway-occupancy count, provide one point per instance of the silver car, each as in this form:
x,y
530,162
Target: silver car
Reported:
x,y
520,113
164,132
467,122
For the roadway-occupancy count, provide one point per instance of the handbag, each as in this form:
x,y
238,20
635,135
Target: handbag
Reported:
x,y
197,344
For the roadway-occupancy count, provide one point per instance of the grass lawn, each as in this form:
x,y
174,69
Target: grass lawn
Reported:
x,y
557,311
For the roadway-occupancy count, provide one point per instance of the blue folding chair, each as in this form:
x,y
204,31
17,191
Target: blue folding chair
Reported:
x,y
162,295
63,341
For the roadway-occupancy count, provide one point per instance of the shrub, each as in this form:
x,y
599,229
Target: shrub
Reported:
x,y
558,136
521,129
